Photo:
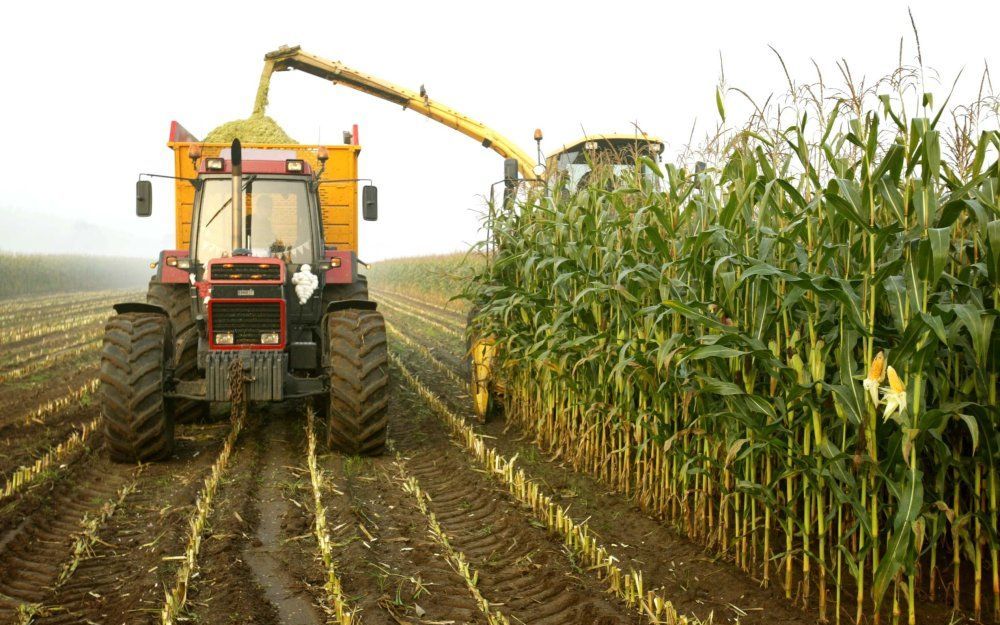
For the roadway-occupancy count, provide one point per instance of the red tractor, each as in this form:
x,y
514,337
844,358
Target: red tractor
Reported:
x,y
265,276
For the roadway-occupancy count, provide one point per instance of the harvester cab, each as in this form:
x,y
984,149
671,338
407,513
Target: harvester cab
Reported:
x,y
601,157
264,279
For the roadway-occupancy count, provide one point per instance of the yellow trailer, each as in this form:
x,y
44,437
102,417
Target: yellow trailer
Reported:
x,y
337,196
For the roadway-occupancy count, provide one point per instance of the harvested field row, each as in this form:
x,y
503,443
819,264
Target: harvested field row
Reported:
x,y
522,568
49,345
19,334
446,326
131,563
32,397
697,583
45,549
430,532
428,311
17,308
27,318
42,358
453,311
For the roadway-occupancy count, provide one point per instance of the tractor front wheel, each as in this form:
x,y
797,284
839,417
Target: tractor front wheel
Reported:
x,y
357,409
176,301
137,419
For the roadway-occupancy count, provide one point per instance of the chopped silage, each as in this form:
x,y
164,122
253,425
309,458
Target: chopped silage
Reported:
x,y
258,128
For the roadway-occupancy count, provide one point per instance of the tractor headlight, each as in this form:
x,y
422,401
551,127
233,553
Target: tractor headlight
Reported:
x,y
223,338
294,166
215,164
270,338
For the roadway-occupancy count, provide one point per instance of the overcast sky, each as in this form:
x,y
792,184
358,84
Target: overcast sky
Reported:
x,y
89,90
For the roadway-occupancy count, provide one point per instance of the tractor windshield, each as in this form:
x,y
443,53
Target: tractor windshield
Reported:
x,y
277,218
578,167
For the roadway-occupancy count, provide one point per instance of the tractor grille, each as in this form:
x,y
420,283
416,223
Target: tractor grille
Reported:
x,y
246,320
245,271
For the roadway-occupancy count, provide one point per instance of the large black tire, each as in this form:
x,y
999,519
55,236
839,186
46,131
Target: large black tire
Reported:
x,y
340,292
175,299
137,419
358,407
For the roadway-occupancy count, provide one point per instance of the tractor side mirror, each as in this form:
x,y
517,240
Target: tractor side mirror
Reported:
x,y
143,198
369,203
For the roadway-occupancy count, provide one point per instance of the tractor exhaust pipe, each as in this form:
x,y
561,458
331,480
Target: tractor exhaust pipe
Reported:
x,y
237,160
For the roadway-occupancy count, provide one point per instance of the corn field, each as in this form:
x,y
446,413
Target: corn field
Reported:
x,y
28,274
788,354
430,278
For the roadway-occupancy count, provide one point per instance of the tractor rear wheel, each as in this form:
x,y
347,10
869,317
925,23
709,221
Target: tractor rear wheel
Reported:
x,y
357,410
137,419
176,300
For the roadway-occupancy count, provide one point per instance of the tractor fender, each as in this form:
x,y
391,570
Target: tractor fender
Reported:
x,y
139,307
351,304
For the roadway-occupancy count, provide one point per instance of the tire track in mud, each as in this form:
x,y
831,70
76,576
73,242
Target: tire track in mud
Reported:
x,y
697,582
33,553
22,400
389,567
523,570
275,562
226,589
51,465
123,577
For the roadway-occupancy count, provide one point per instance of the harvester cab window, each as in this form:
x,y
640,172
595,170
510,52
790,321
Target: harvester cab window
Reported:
x,y
573,166
577,167
277,220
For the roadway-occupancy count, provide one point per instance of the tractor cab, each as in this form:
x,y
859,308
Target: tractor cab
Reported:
x,y
280,210
581,163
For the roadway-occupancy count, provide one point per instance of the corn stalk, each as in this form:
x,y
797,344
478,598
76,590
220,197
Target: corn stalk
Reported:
x,y
699,340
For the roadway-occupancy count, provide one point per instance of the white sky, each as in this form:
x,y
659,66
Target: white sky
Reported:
x,y
89,90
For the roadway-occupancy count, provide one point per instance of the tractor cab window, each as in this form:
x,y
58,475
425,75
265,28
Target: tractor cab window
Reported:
x,y
277,220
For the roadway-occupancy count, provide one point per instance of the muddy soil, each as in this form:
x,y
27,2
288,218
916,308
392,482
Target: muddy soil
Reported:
x,y
699,582
260,561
